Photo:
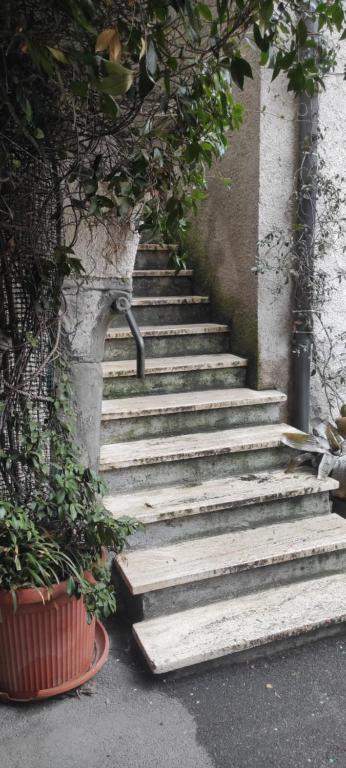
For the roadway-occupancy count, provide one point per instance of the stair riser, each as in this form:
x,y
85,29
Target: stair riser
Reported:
x,y
154,260
169,346
233,585
166,314
181,381
227,520
163,286
194,470
121,430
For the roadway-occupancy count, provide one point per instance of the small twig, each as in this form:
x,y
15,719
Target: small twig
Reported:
x,y
29,395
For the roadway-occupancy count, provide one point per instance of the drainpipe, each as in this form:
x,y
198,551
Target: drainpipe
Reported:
x,y
303,293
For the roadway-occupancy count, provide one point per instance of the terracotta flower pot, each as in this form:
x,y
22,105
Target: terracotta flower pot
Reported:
x,y
46,645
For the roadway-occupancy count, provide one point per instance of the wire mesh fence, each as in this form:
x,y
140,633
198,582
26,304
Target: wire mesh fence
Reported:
x,y
29,234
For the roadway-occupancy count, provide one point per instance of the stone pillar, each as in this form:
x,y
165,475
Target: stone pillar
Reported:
x,y
89,305
260,164
107,252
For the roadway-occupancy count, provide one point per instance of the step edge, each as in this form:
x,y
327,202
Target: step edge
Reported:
x,y
264,562
320,487
160,273
262,443
242,645
148,301
117,372
267,398
159,331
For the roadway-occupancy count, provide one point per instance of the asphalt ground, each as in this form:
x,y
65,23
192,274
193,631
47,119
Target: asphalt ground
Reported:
x,y
286,711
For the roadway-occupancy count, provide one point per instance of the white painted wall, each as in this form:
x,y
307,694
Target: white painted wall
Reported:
x,y
332,148
278,160
261,163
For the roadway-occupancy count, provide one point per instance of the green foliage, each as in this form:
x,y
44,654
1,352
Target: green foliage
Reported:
x,y
140,95
62,530
300,257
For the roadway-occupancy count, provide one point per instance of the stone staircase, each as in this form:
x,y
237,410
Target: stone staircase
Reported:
x,y
234,553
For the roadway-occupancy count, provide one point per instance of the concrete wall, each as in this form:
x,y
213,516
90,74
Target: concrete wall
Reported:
x,y
261,163
332,149
278,162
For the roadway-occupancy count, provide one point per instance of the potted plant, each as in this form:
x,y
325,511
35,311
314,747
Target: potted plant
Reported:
x,y
54,571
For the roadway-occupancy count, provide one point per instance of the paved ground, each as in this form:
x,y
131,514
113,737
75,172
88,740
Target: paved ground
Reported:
x,y
286,712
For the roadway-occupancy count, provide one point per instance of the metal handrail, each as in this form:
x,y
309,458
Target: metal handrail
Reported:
x,y
139,342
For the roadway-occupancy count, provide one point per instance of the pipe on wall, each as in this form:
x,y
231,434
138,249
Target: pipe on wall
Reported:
x,y
303,294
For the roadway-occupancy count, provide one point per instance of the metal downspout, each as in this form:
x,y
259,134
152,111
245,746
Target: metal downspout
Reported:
x,y
303,294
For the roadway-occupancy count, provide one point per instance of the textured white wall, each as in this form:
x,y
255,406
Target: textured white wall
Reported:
x,y
261,164
226,230
278,160
332,148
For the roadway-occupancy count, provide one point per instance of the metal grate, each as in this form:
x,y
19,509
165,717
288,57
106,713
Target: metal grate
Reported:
x,y
29,234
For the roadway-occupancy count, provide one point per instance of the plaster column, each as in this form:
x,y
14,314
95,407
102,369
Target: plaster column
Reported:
x,y
107,253
260,163
331,333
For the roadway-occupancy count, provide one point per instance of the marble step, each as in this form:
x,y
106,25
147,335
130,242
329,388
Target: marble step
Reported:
x,y
158,415
226,628
199,571
180,273
193,457
166,310
229,553
191,329
156,301
162,282
169,340
173,374
152,256
181,512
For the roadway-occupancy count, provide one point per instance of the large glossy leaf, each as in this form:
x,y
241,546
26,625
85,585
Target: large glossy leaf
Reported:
x,y
326,465
146,82
303,442
335,440
240,68
117,82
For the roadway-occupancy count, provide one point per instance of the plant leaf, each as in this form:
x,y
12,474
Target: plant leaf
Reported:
x,y
104,40
302,442
114,47
240,68
58,55
118,81
326,466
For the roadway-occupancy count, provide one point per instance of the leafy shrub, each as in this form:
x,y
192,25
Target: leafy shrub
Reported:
x,y
62,530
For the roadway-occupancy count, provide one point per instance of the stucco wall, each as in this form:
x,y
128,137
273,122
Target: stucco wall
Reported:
x,y
278,162
261,163
332,149
226,232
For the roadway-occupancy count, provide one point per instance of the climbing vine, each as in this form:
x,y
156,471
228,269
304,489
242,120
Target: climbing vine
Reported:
x,y
283,250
